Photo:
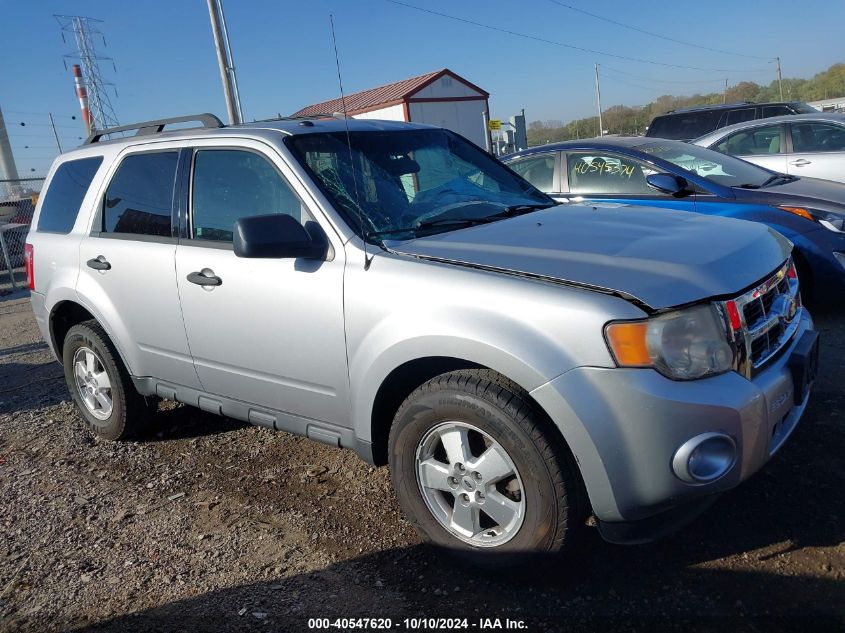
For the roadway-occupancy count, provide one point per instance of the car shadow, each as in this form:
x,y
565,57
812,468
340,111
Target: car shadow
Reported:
x,y
416,582
30,386
173,421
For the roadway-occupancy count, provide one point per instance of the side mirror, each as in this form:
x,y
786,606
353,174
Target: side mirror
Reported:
x,y
669,183
276,236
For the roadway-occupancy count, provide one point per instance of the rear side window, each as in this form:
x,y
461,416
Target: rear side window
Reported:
x,y
139,199
65,194
683,126
739,116
778,110
538,170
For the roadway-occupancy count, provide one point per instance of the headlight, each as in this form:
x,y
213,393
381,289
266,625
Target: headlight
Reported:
x,y
683,345
831,221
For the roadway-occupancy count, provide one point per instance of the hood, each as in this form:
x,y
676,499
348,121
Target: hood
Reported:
x,y
809,192
657,257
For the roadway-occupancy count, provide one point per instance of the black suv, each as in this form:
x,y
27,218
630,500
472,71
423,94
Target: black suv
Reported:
x,y
689,123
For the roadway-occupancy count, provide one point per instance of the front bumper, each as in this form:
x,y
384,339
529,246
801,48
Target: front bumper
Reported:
x,y
625,425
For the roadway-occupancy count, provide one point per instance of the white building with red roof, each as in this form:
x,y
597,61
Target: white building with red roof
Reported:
x,y
440,98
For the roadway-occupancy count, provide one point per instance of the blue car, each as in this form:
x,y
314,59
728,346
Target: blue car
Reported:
x,y
677,175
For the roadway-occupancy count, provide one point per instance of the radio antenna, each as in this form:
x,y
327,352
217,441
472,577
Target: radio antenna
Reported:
x,y
367,261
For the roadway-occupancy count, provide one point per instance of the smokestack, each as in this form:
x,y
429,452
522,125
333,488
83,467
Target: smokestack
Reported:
x,y
82,93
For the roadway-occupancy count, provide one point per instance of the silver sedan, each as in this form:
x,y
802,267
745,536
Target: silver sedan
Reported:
x,y
809,145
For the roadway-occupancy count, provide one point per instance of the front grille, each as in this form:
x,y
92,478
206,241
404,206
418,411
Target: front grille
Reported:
x,y
758,309
770,314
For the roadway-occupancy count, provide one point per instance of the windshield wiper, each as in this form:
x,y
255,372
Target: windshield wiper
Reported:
x,y
775,177
769,181
519,209
507,212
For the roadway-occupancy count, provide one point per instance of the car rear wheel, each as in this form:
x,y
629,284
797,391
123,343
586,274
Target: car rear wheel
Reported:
x,y
478,471
99,383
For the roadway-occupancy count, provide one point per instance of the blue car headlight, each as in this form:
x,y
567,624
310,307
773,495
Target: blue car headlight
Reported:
x,y
831,221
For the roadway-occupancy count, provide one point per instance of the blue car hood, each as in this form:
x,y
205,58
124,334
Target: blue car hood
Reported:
x,y
658,257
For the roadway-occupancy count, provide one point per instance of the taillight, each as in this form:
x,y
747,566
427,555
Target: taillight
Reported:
x,y
29,262
791,272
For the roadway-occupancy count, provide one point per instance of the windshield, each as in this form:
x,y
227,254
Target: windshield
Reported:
x,y
400,181
714,166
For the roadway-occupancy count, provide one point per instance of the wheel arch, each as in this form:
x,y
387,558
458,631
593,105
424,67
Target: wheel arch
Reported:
x,y
63,316
405,378
67,313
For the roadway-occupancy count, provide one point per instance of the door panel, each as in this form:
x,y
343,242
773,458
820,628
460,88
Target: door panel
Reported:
x,y
271,333
140,304
775,162
127,267
818,150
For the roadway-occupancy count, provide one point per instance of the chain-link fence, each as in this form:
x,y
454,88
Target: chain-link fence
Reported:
x,y
17,204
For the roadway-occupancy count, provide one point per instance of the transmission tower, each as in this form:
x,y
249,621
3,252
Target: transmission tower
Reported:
x,y
84,31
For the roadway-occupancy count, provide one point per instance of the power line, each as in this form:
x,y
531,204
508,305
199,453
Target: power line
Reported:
x,y
662,37
663,81
562,44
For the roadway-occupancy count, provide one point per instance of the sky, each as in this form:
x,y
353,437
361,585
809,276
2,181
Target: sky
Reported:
x,y
166,65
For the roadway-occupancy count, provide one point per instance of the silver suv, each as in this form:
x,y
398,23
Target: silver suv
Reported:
x,y
392,289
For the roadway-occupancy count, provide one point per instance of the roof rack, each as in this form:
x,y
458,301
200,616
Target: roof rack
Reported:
x,y
155,127
711,106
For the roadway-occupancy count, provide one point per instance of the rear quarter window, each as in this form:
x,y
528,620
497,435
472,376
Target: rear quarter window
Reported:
x,y
65,194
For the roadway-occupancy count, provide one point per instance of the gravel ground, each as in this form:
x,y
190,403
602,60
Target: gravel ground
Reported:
x,y
209,524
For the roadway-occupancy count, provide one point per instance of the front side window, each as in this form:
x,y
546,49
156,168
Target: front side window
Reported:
x,y
591,173
64,196
411,181
139,199
232,184
818,137
766,139
738,116
539,170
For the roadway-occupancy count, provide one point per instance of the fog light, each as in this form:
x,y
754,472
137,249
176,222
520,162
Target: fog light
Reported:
x,y
705,458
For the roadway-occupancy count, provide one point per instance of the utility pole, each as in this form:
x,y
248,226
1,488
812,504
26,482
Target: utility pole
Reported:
x,y
725,94
598,101
488,138
780,78
225,62
56,134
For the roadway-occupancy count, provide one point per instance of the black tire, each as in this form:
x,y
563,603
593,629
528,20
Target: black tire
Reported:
x,y
129,408
554,497
805,279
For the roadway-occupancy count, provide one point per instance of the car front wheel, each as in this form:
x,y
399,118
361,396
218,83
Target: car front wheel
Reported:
x,y
478,470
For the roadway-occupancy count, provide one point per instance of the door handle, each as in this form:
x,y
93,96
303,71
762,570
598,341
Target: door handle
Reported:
x,y
800,162
205,277
99,263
